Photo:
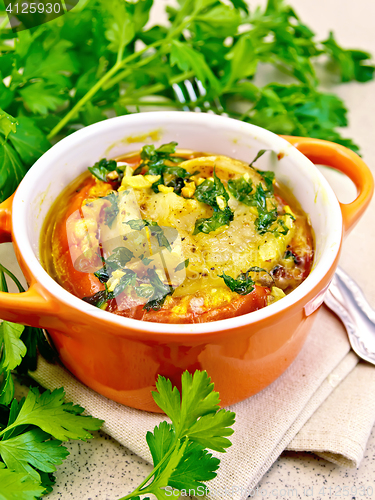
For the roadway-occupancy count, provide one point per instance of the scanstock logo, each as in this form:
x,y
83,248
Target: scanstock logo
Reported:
x,y
26,14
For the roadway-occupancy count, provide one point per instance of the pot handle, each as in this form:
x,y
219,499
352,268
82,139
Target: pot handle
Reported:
x,y
25,307
346,161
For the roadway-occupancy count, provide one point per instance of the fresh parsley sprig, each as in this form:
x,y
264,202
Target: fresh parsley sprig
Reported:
x,y
51,84
32,430
179,450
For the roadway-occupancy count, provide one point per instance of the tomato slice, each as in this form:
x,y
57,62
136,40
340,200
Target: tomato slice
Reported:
x,y
241,304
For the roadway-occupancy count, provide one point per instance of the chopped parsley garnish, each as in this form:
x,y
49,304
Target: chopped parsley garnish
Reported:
x,y
150,286
102,168
182,265
213,193
243,284
102,275
111,212
161,291
265,219
209,191
155,230
290,255
154,160
218,219
119,258
242,190
269,178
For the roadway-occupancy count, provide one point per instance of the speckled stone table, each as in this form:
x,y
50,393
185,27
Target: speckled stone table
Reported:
x,y
103,469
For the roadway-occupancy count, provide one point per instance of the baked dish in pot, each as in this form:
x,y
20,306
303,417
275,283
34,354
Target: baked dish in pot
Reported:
x,y
175,236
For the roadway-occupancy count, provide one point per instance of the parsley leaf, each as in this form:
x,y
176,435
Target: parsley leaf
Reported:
x,y
32,450
49,412
11,172
182,265
213,193
154,161
18,485
102,168
35,341
242,285
242,190
209,191
119,258
265,219
218,219
352,64
6,388
195,466
155,230
160,291
13,347
112,211
42,97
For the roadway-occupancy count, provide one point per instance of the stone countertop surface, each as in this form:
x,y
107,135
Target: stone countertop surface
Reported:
x,y
103,469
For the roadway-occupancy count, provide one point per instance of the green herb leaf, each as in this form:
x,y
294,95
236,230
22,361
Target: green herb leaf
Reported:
x,y
29,141
18,485
11,172
13,347
49,412
187,58
155,230
259,155
137,224
218,219
161,291
119,23
182,265
242,190
32,450
112,211
264,220
102,275
119,258
242,285
160,441
178,449
42,97
195,466
35,341
209,191
8,124
352,64
6,388
102,168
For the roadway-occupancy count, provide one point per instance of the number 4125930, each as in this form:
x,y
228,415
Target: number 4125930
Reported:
x,y
32,8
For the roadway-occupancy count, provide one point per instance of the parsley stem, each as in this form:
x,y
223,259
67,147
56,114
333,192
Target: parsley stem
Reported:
x,y
11,275
117,66
4,22
128,71
138,490
3,283
157,87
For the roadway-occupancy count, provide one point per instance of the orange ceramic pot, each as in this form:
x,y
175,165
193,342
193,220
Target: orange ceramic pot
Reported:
x,y
121,357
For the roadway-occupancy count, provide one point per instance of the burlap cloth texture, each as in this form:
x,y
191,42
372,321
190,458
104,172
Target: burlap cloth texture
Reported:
x,y
323,403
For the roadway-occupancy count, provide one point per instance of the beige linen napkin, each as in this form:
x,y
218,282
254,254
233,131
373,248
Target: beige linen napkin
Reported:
x,y
323,403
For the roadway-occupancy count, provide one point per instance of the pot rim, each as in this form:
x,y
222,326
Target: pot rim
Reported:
x,y
20,234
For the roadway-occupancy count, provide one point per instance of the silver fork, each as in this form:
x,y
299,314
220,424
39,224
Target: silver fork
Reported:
x,y
344,297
